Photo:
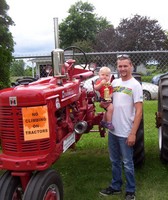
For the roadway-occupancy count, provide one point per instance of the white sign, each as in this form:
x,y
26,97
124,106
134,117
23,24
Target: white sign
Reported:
x,y
68,142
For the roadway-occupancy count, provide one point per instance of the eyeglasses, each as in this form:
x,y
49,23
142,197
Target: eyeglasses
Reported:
x,y
123,56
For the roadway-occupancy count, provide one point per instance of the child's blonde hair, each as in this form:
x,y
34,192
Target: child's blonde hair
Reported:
x,y
105,69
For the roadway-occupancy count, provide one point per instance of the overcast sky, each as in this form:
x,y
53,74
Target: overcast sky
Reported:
x,y
34,26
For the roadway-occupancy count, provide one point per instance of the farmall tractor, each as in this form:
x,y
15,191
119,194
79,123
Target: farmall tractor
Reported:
x,y
39,121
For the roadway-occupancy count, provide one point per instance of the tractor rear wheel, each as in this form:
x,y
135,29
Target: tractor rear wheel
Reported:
x,y
46,185
139,152
163,121
10,187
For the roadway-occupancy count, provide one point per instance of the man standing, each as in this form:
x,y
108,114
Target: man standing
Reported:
x,y
127,114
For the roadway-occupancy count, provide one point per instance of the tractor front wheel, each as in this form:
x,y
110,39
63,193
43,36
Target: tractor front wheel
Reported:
x,y
46,185
10,187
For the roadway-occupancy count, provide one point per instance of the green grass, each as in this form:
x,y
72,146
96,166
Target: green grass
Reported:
x,y
86,169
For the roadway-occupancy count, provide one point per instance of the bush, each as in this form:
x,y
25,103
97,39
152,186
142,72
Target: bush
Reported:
x,y
147,78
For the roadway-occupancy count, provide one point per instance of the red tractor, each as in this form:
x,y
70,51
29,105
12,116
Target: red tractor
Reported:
x,y
39,120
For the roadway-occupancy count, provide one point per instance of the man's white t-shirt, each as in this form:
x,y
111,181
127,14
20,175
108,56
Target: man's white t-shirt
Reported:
x,y
125,94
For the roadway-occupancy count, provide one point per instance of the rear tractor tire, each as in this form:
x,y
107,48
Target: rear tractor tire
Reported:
x,y
162,118
139,150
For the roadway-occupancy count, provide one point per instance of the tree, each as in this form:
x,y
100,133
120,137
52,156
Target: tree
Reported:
x,y
133,34
6,45
81,26
106,40
28,71
17,68
140,34
86,45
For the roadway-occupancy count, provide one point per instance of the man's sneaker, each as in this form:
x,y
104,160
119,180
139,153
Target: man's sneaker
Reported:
x,y
109,191
130,196
109,126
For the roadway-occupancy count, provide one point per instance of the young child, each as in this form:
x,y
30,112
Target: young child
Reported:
x,y
103,85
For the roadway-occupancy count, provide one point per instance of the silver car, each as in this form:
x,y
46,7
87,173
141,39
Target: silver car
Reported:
x,y
150,91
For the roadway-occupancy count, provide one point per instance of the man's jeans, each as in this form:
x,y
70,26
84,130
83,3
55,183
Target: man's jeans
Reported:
x,y
120,152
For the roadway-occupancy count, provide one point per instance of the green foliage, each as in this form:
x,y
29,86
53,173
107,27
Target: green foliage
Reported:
x,y
84,28
28,71
17,68
133,34
6,44
146,78
141,33
106,40
85,45
81,25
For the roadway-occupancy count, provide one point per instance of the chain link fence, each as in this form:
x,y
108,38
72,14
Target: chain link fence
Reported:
x,y
147,63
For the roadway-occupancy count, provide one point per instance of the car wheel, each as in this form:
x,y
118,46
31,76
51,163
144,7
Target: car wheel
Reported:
x,y
146,95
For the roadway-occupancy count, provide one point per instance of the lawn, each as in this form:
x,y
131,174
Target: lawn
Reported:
x,y
86,169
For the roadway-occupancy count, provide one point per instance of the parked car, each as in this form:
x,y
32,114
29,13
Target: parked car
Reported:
x,y
150,91
156,78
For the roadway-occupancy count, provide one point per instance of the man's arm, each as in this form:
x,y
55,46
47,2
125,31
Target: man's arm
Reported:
x,y
138,116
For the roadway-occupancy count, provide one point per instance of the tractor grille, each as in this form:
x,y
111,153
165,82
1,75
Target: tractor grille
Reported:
x,y
11,134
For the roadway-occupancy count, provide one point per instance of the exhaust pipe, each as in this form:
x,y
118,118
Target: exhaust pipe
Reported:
x,y
80,127
57,54
57,61
56,33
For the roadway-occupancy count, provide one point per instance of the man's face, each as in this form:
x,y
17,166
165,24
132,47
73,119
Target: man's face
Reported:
x,y
124,68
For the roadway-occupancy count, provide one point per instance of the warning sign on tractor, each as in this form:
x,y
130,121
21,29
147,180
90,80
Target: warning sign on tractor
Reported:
x,y
35,123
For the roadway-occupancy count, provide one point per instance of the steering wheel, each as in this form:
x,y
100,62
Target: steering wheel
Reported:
x,y
77,54
23,81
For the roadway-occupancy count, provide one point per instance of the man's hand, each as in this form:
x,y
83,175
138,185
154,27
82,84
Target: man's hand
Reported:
x,y
131,139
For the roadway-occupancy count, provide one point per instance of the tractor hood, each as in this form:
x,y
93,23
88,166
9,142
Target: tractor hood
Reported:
x,y
38,92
